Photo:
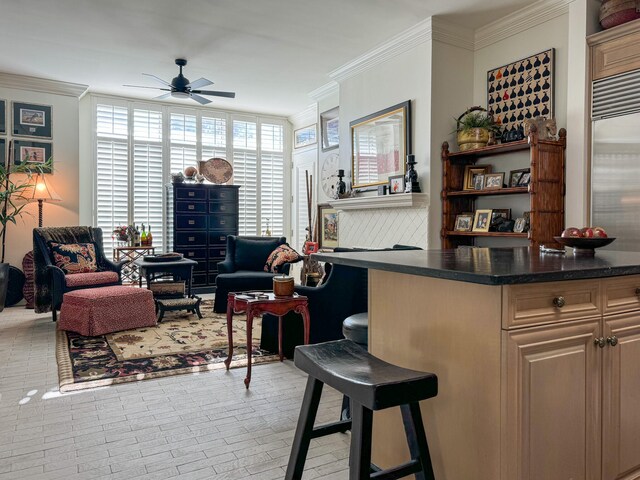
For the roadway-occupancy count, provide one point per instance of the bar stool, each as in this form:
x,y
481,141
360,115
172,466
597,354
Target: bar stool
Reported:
x,y
372,384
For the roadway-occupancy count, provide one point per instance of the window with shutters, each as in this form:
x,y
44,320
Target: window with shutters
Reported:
x,y
272,178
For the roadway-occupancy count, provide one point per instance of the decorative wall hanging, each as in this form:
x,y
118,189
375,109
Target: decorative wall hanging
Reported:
x,y
521,90
379,145
305,136
31,120
25,151
330,129
3,117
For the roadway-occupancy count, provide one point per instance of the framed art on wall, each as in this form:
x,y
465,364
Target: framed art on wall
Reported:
x,y
327,226
330,129
30,120
3,117
25,151
521,90
305,136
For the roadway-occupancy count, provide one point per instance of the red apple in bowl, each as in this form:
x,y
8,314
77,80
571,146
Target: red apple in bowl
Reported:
x,y
587,232
571,232
599,232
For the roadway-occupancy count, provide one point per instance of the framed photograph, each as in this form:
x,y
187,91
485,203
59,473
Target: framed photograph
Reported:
x,y
515,175
482,221
380,143
327,226
3,117
330,129
464,222
396,184
499,216
520,225
30,120
493,181
522,89
478,181
3,152
33,153
525,179
305,136
470,174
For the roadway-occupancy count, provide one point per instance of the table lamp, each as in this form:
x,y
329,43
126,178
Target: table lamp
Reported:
x,y
40,191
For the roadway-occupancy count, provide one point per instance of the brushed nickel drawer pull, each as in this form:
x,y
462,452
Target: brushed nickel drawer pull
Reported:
x,y
192,194
223,222
192,239
600,342
192,222
223,252
223,237
191,207
612,340
190,254
222,208
559,302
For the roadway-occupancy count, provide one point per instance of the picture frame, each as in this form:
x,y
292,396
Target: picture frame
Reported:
x,y
522,89
520,225
380,143
493,181
498,216
470,172
305,136
3,117
478,181
33,153
31,120
482,220
464,222
525,179
330,129
3,152
515,175
327,226
396,184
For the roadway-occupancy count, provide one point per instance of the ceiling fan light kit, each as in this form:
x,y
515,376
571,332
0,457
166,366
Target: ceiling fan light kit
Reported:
x,y
181,87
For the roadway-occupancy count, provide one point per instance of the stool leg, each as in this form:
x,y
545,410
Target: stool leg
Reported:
x,y
302,438
345,410
417,439
360,451
280,338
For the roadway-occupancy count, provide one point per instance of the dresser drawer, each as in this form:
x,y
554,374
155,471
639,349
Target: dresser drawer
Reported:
x,y
212,278
213,266
201,267
193,253
542,303
217,238
193,193
621,294
222,207
218,252
227,223
191,222
230,194
186,239
191,207
199,279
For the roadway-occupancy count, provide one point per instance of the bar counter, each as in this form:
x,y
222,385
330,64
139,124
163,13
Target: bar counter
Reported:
x,y
537,357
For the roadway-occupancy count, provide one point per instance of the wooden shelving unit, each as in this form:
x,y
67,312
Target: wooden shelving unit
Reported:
x,y
546,190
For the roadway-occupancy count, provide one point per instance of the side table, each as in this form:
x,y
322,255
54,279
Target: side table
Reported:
x,y
256,307
130,271
182,269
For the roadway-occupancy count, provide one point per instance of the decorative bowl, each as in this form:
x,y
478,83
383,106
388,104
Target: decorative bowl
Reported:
x,y
582,245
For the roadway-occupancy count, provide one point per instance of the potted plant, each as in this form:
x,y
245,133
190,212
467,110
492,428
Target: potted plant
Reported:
x,y
11,186
473,128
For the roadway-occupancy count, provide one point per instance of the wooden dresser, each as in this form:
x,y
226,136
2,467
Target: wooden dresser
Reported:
x,y
200,218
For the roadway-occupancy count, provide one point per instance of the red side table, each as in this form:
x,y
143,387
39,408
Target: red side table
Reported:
x,y
256,307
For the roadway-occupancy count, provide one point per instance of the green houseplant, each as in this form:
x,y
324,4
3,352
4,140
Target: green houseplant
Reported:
x,y
473,128
13,181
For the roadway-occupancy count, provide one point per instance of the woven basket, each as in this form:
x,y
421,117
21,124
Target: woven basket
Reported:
x,y
617,12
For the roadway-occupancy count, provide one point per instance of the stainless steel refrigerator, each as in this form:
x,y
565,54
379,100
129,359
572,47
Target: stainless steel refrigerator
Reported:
x,y
615,160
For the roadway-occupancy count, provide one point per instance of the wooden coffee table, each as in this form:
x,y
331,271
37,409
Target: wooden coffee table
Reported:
x,y
254,306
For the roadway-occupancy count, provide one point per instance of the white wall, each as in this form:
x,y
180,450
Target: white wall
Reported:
x,y
65,179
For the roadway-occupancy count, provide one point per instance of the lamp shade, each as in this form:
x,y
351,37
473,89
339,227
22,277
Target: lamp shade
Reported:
x,y
40,190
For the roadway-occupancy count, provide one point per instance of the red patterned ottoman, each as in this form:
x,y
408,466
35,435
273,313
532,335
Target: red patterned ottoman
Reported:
x,y
96,311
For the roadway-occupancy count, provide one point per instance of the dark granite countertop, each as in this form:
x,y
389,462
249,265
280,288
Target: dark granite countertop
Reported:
x,y
493,266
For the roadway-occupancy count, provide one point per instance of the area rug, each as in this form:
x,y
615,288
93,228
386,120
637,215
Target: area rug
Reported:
x,y
180,344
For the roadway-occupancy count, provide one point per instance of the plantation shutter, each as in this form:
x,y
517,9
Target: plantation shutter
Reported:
x,y
272,178
245,172
112,171
214,138
184,150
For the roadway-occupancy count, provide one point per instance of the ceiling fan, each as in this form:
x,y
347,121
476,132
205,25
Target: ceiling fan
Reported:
x,y
181,87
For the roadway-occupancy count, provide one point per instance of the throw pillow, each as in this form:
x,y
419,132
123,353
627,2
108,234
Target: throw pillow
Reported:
x,y
74,257
281,255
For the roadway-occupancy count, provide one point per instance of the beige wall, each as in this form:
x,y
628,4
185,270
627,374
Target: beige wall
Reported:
x,y
65,179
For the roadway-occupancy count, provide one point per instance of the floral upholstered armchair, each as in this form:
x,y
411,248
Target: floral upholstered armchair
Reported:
x,y
66,259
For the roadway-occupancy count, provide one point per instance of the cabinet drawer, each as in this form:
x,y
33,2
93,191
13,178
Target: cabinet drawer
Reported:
x,y
201,267
193,253
185,239
199,279
212,278
216,238
191,193
228,223
616,56
218,252
541,303
223,194
191,207
213,266
222,207
191,222
621,294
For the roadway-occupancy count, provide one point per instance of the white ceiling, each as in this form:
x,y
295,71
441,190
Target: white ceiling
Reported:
x,y
272,53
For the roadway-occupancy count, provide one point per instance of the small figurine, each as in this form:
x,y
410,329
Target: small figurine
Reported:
x,y
411,178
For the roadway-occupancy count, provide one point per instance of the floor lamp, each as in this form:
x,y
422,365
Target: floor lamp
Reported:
x,y
41,192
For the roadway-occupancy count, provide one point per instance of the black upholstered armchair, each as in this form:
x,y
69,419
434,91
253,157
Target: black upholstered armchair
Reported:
x,y
243,267
51,282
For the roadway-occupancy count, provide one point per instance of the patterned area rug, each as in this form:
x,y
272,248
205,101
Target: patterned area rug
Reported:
x,y
181,343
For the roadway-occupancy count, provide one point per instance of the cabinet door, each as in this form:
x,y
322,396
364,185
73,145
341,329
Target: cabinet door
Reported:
x,y
551,402
621,398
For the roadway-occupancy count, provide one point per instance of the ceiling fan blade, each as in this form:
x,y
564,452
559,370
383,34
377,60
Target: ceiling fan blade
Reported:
x,y
215,93
145,86
199,99
162,97
163,82
199,83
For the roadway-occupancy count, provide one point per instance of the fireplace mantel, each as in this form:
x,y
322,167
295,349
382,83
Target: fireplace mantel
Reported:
x,y
398,200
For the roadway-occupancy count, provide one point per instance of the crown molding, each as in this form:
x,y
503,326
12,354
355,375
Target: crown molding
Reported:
x,y
36,84
303,117
519,21
325,91
452,34
396,45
